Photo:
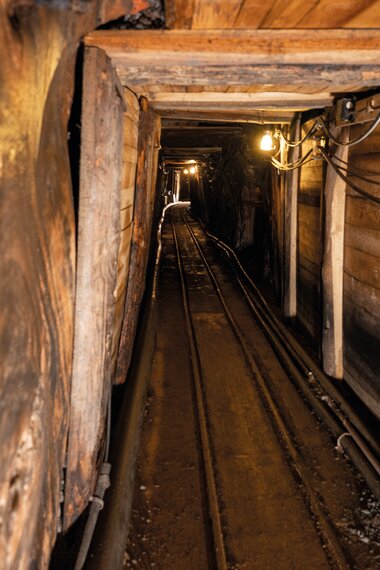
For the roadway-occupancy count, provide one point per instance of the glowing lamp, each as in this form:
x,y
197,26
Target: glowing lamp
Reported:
x,y
267,141
186,171
193,170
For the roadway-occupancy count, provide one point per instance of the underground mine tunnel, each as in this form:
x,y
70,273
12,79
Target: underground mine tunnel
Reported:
x,y
191,282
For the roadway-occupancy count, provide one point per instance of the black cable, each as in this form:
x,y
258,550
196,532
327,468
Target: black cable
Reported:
x,y
346,180
297,143
356,140
350,172
291,165
295,167
355,168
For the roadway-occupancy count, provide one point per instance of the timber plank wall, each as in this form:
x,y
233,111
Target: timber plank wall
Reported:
x,y
361,293
145,196
127,199
37,256
310,245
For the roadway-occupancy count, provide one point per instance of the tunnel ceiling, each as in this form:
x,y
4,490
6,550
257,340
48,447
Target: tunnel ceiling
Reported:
x,y
241,75
203,14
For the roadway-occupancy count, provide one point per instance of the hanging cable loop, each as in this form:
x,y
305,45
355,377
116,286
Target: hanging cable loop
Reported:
x,y
353,141
346,180
294,144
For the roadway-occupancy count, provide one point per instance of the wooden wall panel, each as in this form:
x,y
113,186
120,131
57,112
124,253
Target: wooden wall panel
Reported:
x,y
290,225
38,46
130,146
145,195
216,14
98,246
362,277
309,246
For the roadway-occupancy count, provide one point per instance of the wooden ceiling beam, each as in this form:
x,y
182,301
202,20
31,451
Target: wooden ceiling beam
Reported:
x,y
332,61
228,116
218,14
239,101
240,47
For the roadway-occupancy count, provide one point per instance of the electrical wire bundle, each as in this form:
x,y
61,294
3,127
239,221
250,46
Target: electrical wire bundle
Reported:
x,y
319,152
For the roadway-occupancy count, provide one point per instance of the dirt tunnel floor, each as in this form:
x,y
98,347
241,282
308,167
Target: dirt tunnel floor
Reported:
x,y
283,501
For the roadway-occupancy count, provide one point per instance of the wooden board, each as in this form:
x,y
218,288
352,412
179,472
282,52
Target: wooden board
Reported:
x,y
220,102
361,293
215,14
330,61
332,270
309,246
129,158
290,224
98,245
147,157
239,47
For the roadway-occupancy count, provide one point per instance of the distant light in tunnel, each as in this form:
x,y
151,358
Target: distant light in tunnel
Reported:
x,y
267,142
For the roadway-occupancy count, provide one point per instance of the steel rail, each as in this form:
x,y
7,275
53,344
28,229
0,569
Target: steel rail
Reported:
x,y
325,531
322,393
212,492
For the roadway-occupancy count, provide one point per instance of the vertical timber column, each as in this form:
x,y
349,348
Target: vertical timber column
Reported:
x,y
98,245
290,245
332,267
145,196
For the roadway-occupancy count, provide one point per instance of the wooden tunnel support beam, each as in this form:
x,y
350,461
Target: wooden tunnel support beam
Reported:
x,y
98,244
329,60
146,174
290,257
332,266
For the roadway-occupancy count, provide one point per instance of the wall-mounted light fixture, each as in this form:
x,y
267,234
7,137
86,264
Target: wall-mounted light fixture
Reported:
x,y
267,142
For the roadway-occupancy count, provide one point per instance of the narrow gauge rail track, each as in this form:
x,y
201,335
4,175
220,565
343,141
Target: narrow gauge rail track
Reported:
x,y
330,544
363,447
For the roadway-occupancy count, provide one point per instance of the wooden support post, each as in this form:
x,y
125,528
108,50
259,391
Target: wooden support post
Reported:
x,y
290,237
332,267
145,195
98,244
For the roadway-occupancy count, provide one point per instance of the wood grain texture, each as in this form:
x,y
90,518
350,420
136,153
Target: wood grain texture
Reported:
x,y
309,246
129,158
362,277
332,269
98,245
38,48
215,14
209,14
330,47
145,195
290,240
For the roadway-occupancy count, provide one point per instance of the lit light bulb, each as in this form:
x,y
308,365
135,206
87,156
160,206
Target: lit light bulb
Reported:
x,y
267,141
186,171
193,170
192,161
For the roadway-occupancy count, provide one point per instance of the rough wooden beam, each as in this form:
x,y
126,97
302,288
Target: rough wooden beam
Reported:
x,y
239,101
228,116
333,267
145,189
98,243
240,47
325,77
330,60
290,238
